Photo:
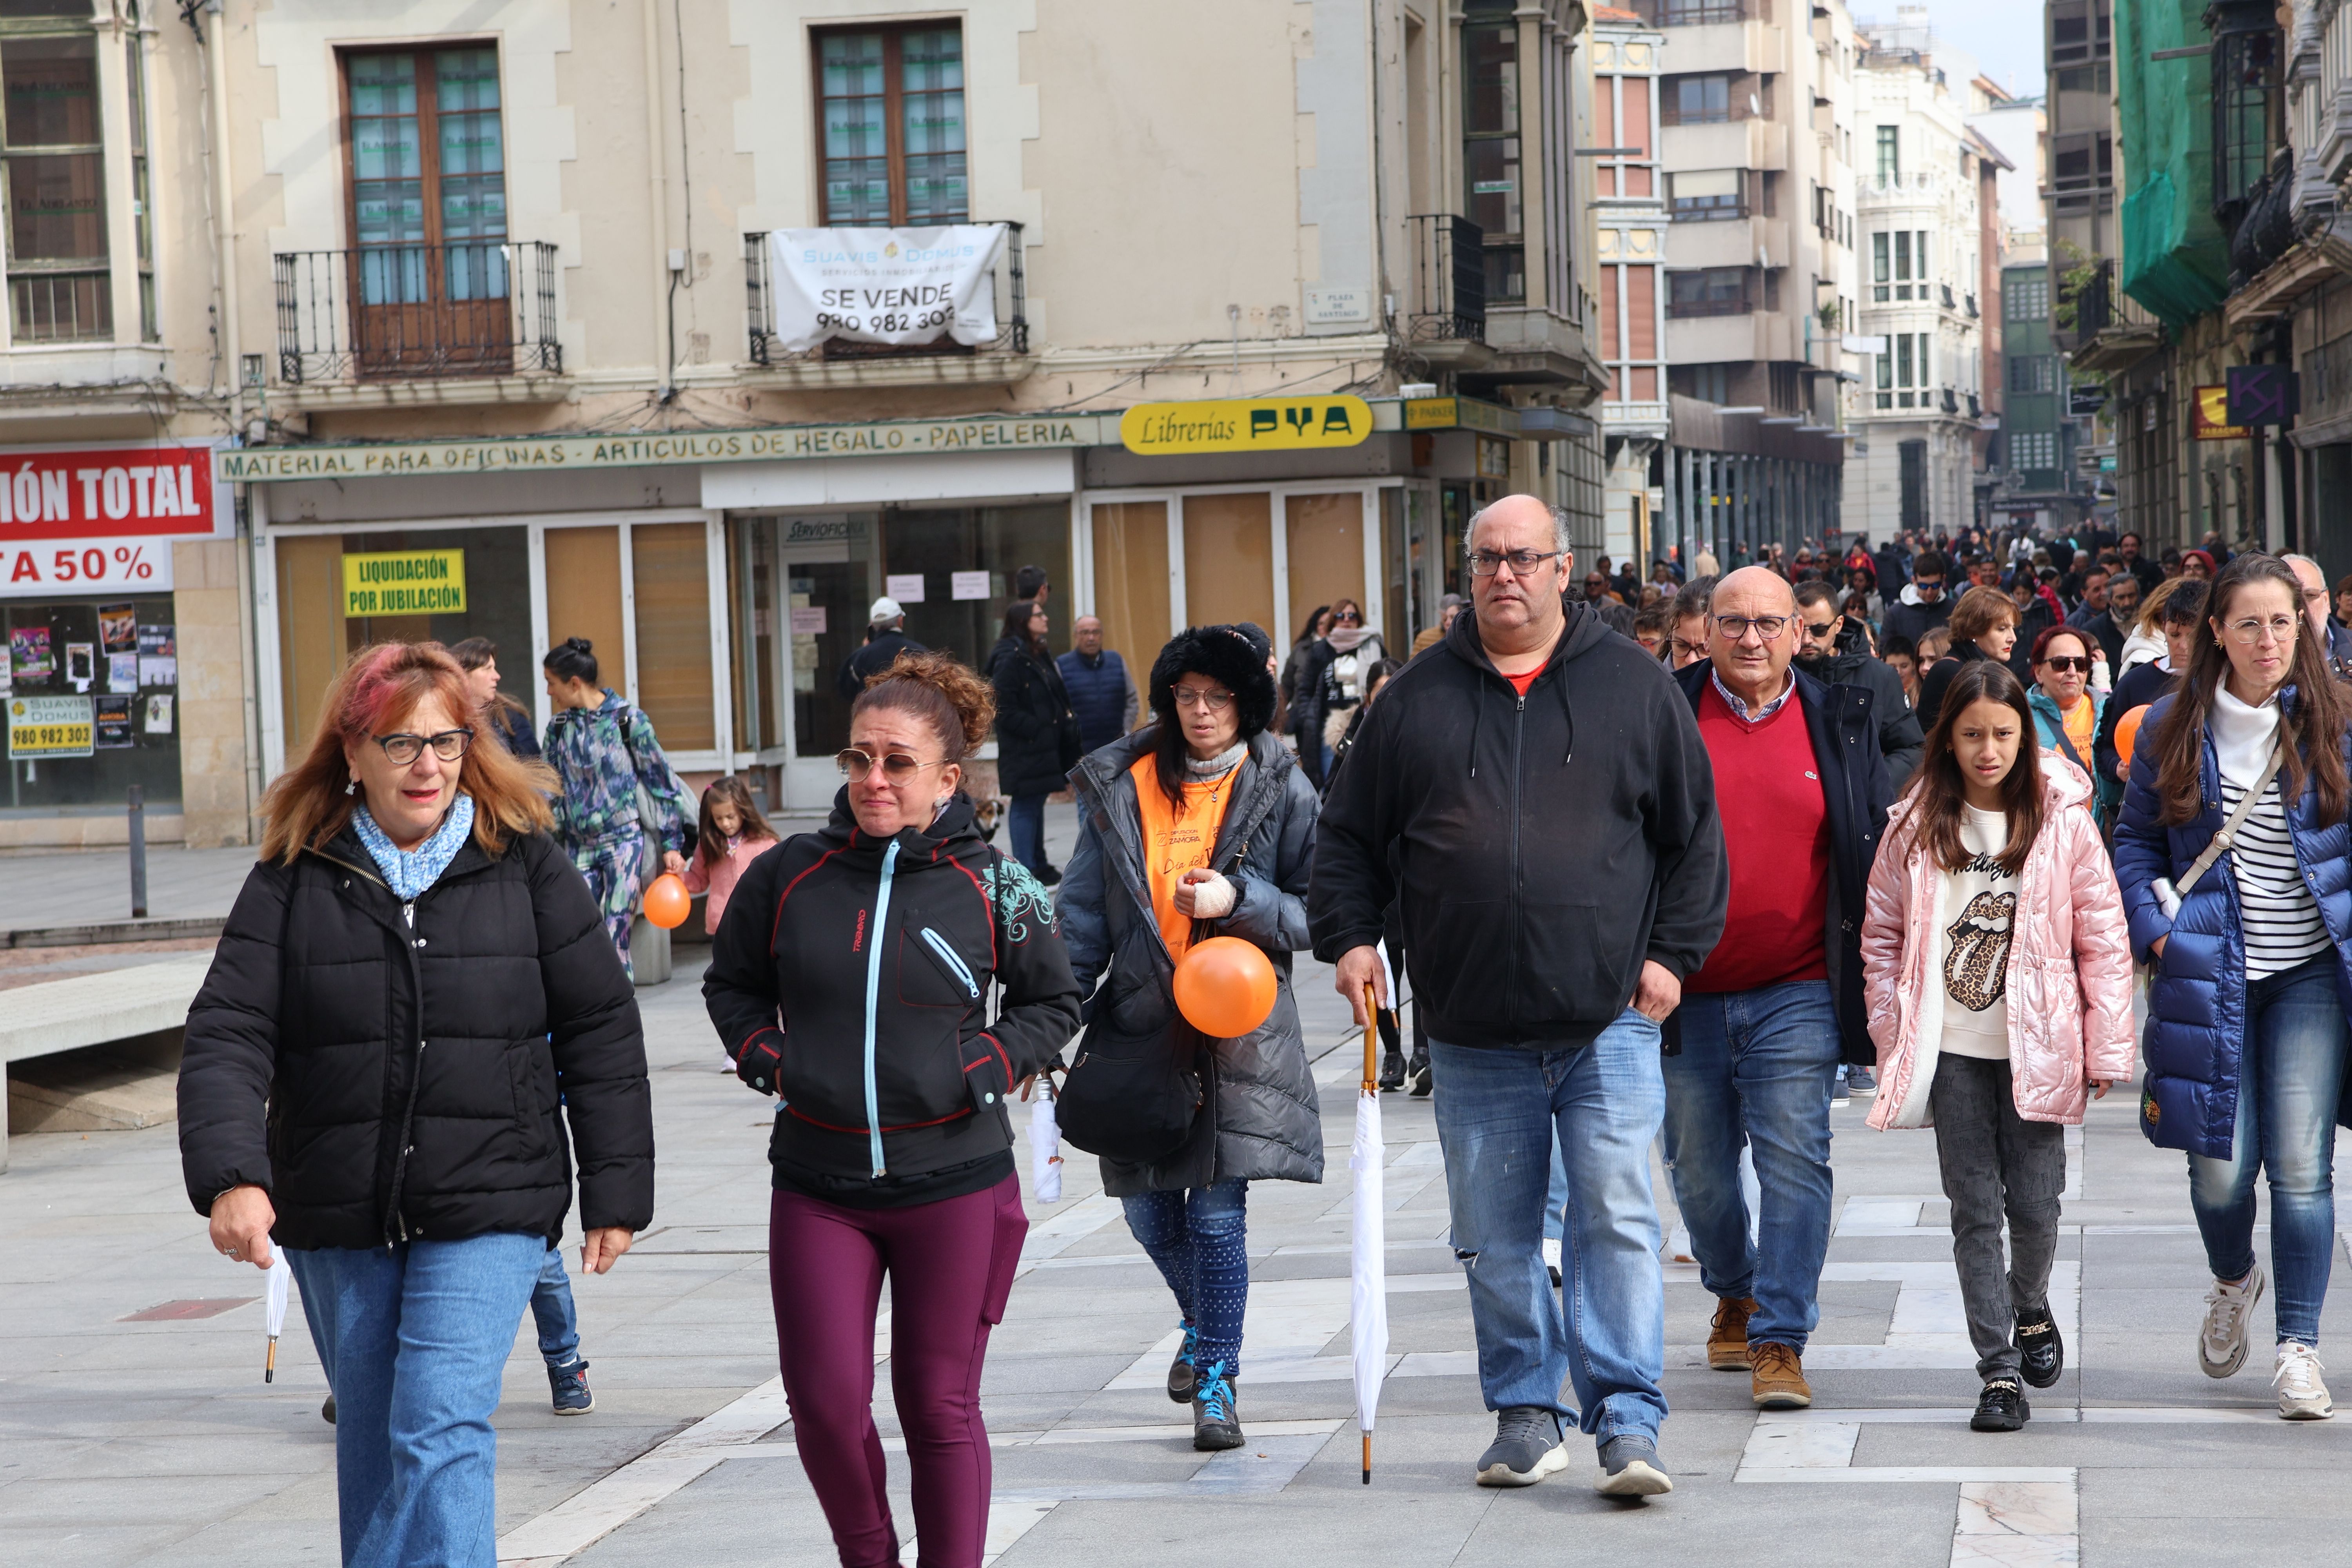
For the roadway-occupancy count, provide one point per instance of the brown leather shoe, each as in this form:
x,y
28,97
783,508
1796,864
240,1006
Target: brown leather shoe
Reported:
x,y
1779,1377
1726,1337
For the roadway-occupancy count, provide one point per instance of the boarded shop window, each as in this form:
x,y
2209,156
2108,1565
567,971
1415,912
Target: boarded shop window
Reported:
x,y
890,121
583,596
671,565
1131,580
1229,559
1326,544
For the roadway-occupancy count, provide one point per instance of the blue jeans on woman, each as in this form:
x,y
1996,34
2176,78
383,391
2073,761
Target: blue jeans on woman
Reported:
x,y
414,1340
1199,1240
2289,1072
1028,821
550,1307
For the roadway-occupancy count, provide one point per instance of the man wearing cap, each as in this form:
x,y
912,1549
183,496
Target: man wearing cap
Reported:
x,y
886,639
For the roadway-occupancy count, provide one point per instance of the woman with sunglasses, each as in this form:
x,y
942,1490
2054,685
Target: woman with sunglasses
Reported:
x,y
2066,711
604,754
1200,824
2251,934
853,975
369,1079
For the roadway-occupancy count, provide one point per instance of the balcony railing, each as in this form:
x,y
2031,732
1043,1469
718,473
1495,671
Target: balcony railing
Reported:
x,y
1951,401
1949,303
1008,280
1973,312
394,313
1449,279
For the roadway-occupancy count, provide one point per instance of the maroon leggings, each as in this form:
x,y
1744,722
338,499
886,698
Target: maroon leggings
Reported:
x,y
951,1264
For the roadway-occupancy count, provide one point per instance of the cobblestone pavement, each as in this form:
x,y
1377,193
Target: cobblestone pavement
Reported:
x,y
157,1442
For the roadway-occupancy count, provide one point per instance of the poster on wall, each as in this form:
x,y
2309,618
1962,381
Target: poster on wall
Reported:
x,y
159,661
117,628
81,665
968,585
122,672
28,653
50,727
906,587
158,714
114,731
895,286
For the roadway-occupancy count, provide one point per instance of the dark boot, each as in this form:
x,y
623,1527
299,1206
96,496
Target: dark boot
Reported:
x,y
1392,1070
1424,1081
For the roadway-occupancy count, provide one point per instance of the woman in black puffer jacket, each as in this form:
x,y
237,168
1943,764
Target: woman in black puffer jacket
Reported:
x,y
1036,731
851,975
411,1000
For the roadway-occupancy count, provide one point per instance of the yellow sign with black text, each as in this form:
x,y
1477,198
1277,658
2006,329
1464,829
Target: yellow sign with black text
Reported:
x,y
404,582
1244,425
50,727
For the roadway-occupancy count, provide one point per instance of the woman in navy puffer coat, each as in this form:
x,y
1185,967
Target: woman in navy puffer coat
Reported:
x,y
2247,1036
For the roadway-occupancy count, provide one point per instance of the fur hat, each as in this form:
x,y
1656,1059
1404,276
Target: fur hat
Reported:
x,y
1226,655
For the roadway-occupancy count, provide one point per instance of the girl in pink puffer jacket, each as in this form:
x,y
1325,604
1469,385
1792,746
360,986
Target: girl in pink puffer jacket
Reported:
x,y
1997,971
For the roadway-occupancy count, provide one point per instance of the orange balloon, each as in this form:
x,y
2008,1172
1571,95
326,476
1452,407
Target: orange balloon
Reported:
x,y
1224,986
667,903
2128,730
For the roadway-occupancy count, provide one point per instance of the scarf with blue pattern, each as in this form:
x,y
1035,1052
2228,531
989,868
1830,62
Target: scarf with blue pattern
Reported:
x,y
409,872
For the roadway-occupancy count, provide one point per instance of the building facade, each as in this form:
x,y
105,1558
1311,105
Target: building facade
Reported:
x,y
1630,220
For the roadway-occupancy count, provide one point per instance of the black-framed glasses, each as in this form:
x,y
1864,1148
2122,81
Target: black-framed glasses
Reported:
x,y
1734,627
2063,662
856,763
1486,562
403,749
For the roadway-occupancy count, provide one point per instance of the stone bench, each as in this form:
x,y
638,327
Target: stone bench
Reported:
x,y
120,1005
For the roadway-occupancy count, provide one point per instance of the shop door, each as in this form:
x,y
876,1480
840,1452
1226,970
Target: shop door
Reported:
x,y
830,581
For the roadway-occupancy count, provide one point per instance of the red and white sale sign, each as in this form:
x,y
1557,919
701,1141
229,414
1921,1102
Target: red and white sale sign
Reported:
x,y
100,520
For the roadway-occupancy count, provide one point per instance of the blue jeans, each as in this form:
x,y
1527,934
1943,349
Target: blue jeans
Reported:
x,y
1556,1193
2289,1071
1497,1113
1200,1241
1756,1067
1028,820
414,1340
551,1304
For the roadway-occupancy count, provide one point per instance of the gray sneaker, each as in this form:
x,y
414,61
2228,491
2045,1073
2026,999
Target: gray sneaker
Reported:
x,y
1630,1467
1527,1447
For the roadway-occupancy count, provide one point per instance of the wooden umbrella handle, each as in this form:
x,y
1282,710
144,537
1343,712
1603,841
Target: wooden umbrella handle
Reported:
x,y
1371,1040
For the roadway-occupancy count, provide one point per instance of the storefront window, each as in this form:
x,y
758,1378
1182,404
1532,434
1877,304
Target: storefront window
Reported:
x,y
488,569
93,704
966,560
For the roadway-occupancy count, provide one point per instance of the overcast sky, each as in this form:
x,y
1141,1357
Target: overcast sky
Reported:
x,y
2005,35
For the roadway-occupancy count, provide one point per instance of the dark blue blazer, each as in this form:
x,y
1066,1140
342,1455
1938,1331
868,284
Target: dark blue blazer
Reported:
x,y
1856,790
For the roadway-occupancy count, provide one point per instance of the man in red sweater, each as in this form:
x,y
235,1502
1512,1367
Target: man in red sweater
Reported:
x,y
1753,1051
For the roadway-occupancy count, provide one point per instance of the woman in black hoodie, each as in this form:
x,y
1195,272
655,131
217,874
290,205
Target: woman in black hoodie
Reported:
x,y
850,975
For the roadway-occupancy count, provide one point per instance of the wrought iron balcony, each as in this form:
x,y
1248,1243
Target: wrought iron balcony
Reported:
x,y
1949,303
1449,279
1012,296
1951,401
405,312
1972,307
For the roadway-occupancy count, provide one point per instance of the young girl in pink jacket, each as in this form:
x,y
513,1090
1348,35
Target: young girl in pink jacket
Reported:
x,y
1997,969
733,834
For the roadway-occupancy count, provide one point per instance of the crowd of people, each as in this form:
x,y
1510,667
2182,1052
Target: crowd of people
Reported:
x,y
1684,864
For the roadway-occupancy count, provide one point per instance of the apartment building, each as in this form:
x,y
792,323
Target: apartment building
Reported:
x,y
692,329
125,650
1755,148
1923,228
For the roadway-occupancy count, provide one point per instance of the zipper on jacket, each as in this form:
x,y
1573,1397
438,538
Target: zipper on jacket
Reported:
x,y
939,944
873,1003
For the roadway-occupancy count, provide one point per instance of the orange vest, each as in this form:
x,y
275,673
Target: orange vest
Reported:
x,y
1177,840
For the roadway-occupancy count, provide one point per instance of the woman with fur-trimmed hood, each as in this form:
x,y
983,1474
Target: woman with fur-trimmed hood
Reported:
x,y
1200,824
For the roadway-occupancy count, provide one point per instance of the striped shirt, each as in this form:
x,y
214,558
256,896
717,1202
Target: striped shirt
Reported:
x,y
2280,918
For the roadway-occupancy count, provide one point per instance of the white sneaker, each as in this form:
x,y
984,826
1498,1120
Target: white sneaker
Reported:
x,y
2221,1342
1551,1258
2302,1396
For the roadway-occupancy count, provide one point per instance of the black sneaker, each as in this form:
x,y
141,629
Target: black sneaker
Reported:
x,y
2041,1354
1181,1373
1418,1073
2001,1407
570,1384
1391,1071
1049,874
1630,1467
1216,1424
1527,1447
327,1411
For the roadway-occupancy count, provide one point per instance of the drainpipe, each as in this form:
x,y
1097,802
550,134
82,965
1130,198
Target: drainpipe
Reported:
x,y
658,186
232,352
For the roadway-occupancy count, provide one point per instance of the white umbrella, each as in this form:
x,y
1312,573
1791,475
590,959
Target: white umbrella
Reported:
x,y
1368,1306
1045,1144
275,1309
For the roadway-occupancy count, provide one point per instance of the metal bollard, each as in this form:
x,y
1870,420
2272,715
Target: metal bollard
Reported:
x,y
138,852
